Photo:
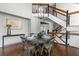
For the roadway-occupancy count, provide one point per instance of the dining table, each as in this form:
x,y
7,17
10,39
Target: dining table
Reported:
x,y
39,43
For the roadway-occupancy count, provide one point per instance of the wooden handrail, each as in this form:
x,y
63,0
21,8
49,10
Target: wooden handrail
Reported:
x,y
56,33
75,12
57,9
49,6
64,14
58,36
63,33
60,11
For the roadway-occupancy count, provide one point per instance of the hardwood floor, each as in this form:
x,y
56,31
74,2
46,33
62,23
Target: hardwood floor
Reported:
x,y
62,50
58,50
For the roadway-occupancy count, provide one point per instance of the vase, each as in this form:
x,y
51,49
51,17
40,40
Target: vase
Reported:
x,y
8,29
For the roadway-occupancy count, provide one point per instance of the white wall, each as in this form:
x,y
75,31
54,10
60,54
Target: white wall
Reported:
x,y
3,29
71,7
20,9
74,20
35,25
68,6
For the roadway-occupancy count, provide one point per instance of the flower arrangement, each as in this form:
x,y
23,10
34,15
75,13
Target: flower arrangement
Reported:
x,y
39,35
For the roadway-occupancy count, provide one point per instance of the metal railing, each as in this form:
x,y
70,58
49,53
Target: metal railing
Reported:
x,y
46,8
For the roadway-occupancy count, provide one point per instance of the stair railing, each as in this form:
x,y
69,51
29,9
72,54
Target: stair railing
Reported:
x,y
53,10
48,9
56,32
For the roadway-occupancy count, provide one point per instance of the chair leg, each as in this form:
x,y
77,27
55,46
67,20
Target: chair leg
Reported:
x,y
42,51
29,52
49,52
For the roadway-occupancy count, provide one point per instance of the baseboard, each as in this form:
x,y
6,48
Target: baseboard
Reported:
x,y
14,44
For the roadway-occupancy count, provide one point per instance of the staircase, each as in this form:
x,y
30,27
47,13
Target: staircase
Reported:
x,y
53,18
64,23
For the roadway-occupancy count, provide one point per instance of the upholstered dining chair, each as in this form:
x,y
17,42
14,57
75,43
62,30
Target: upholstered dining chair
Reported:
x,y
27,46
49,43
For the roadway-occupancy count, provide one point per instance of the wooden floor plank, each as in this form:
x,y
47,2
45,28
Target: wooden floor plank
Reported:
x,y
58,50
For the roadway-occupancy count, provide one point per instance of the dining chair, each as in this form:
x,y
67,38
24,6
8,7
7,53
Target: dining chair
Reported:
x,y
40,50
28,47
49,45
